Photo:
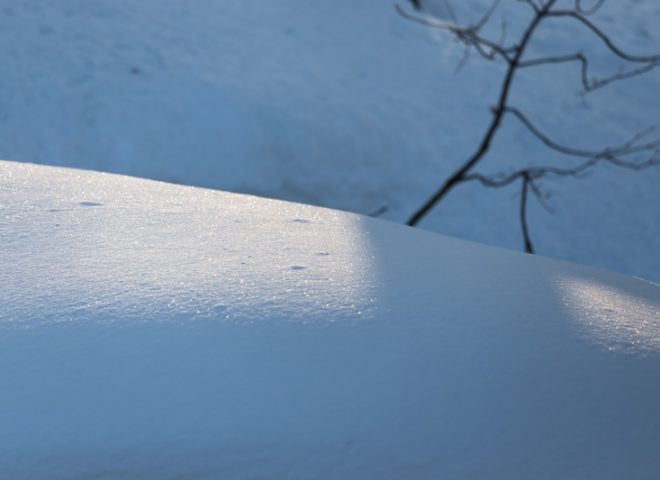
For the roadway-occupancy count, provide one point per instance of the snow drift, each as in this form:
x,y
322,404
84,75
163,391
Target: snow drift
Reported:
x,y
152,331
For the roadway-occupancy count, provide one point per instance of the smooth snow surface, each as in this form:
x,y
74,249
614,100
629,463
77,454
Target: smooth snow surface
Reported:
x,y
336,103
154,331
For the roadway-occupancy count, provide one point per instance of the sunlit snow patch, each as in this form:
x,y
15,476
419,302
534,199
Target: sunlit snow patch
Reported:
x,y
613,317
132,249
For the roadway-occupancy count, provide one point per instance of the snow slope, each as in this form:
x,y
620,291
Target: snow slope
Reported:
x,y
336,103
150,330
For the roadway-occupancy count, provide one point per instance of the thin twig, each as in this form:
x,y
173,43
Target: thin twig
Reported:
x,y
605,38
529,248
629,147
588,11
467,35
498,113
588,85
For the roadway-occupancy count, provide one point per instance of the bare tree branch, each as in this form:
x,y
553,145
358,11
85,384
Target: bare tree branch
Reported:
x,y
498,112
486,16
629,147
529,176
605,38
378,212
529,248
588,11
536,173
467,35
588,85
597,83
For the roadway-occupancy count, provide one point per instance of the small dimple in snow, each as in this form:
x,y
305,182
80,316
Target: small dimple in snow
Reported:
x,y
220,309
90,204
323,254
300,220
297,267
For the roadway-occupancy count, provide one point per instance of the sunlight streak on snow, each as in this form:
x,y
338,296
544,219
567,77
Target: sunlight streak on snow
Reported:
x,y
110,247
614,318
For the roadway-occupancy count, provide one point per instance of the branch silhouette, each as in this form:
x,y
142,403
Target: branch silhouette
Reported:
x,y
512,55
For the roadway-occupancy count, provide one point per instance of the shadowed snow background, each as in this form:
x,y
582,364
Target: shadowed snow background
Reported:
x,y
340,104
150,330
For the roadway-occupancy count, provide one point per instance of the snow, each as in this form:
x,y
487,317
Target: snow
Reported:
x,y
341,104
150,330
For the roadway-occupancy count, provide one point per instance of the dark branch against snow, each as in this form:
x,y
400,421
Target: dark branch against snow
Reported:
x,y
513,56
